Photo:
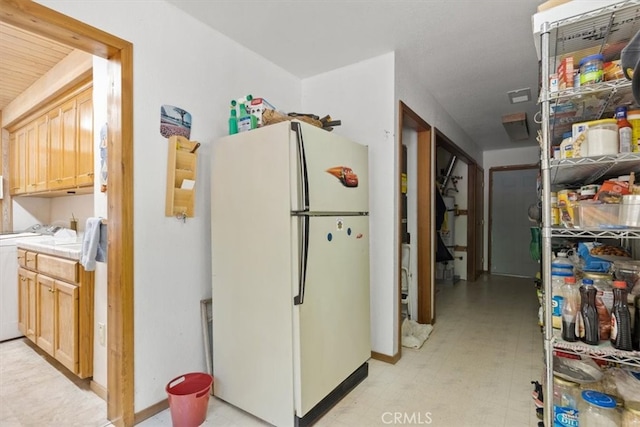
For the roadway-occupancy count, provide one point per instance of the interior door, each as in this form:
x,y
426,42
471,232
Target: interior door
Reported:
x,y
512,191
332,328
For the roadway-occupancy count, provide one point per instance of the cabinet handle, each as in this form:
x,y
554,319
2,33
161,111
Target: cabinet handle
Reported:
x,y
20,257
24,279
90,174
51,290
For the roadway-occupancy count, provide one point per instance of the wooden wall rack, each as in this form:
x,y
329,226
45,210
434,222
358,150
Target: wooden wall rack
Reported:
x,y
181,177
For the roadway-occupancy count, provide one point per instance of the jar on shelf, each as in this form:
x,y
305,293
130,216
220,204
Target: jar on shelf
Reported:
x,y
591,69
566,395
599,410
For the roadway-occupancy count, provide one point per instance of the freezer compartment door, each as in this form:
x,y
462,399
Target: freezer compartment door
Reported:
x,y
333,171
332,326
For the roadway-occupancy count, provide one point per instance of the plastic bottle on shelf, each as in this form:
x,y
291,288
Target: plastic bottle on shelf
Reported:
x,y
635,339
570,305
587,326
620,318
558,277
625,130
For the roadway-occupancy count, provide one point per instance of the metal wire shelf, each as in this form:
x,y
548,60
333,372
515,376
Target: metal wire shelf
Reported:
x,y
587,170
603,351
627,233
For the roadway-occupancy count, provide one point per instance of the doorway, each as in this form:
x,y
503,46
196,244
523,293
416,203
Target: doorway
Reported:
x,y
412,127
470,197
47,23
512,190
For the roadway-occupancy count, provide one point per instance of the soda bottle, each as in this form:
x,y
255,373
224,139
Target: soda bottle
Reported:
x,y
569,308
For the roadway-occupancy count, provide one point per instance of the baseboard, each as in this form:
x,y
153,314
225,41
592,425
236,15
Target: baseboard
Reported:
x,y
385,358
149,412
99,390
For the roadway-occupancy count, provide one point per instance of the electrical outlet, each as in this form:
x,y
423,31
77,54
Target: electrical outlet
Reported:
x,y
101,333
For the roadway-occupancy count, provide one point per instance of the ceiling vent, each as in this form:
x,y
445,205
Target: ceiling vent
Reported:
x,y
516,126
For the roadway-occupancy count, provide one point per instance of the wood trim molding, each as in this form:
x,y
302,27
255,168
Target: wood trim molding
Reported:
x,y
99,390
151,411
33,17
425,242
386,358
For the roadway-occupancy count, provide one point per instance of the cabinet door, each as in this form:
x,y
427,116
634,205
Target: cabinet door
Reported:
x,y
31,152
18,162
68,136
46,313
55,149
41,175
85,139
66,325
27,303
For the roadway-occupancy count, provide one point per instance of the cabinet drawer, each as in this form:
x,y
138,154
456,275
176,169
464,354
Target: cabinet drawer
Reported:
x,y
64,269
27,259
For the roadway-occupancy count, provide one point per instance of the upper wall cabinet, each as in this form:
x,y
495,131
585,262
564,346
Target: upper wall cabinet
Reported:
x,y
52,154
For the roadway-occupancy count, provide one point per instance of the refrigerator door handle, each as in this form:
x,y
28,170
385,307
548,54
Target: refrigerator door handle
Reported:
x,y
303,250
302,171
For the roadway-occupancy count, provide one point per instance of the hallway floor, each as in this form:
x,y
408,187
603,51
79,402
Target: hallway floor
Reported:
x,y
474,370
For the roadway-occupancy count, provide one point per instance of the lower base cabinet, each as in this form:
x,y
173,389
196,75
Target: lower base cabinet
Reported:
x,y
56,309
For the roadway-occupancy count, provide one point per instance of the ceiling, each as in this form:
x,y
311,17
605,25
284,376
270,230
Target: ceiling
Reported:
x,y
469,53
25,58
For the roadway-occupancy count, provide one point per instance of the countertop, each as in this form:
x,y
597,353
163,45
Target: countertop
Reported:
x,y
71,249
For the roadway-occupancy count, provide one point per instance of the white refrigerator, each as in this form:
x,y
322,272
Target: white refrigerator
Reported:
x,y
290,265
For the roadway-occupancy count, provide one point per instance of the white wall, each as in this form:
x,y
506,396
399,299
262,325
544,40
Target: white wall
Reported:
x,y
100,90
496,158
63,208
181,62
410,90
361,96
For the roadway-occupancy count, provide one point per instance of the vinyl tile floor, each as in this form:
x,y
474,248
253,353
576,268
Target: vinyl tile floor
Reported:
x,y
474,370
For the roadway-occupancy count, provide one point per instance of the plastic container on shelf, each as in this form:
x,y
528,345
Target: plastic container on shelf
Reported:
x,y
591,69
602,137
630,210
598,410
591,213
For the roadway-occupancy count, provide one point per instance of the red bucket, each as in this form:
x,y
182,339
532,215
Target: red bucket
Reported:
x,y
189,399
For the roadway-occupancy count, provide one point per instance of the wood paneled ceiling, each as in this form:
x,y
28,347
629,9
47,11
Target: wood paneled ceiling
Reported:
x,y
24,58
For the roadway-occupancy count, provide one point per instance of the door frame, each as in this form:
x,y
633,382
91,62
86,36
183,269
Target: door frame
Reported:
x,y
38,19
425,200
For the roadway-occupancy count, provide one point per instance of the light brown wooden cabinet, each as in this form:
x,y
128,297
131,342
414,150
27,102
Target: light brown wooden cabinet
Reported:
x,y
54,152
56,297
27,303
